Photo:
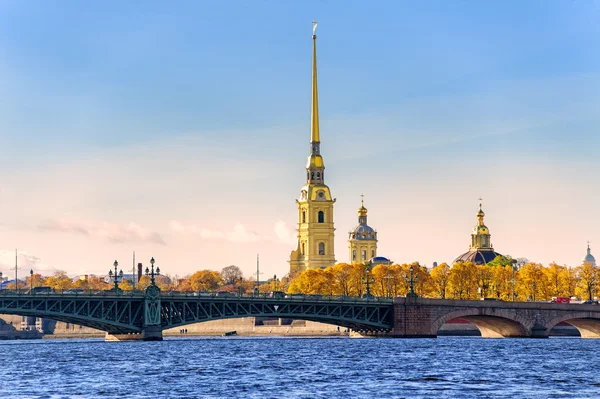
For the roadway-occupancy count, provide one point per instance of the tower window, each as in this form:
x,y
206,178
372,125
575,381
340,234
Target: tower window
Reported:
x,y
303,216
312,175
354,254
364,254
321,217
321,248
318,175
372,253
303,248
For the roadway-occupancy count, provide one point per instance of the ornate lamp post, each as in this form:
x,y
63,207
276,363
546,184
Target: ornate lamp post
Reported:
x,y
411,280
240,288
367,282
275,282
151,272
1,280
115,277
31,281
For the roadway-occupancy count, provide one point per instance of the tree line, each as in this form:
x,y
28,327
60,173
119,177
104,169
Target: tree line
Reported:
x,y
499,279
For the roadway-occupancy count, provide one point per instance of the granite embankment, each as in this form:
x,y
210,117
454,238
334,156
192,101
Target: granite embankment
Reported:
x,y
10,328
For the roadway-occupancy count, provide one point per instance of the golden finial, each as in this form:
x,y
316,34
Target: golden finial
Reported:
x,y
362,211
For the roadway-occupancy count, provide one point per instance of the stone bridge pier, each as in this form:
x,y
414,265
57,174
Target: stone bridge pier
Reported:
x,y
420,317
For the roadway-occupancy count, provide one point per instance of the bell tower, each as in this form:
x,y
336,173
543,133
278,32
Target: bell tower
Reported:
x,y
315,205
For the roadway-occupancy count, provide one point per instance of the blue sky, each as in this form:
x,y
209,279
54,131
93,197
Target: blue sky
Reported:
x,y
120,121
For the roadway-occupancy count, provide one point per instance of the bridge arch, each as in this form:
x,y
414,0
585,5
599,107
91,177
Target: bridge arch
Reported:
x,y
588,323
492,323
112,314
108,326
358,316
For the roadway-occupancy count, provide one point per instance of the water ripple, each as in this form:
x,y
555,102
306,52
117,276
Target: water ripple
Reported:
x,y
300,368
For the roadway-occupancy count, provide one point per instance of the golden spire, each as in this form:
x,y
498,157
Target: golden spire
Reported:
x,y
314,117
362,211
480,214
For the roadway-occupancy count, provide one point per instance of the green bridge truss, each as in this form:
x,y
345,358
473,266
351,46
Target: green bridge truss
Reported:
x,y
132,312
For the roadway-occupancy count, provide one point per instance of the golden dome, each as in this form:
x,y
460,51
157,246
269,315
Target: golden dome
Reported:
x,y
362,211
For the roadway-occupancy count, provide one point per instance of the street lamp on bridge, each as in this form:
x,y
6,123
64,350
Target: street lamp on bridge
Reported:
x,y
151,272
1,280
411,280
31,281
367,282
115,277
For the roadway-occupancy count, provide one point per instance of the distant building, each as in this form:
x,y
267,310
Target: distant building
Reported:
x,y
589,258
362,240
380,260
481,250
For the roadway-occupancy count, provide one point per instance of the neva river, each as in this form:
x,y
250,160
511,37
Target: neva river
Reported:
x,y
301,368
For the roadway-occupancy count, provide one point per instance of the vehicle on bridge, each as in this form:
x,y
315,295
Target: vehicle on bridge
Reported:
x,y
560,299
276,294
40,290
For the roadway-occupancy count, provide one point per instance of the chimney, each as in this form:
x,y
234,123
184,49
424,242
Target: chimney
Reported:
x,y
139,276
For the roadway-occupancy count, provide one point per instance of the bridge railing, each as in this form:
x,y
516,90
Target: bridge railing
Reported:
x,y
197,294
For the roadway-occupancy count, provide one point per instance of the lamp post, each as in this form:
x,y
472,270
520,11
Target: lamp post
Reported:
x,y
240,288
367,282
31,281
16,272
115,277
275,282
411,280
389,278
514,265
1,280
151,272
533,286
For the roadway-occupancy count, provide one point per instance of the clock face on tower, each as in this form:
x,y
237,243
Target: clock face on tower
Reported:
x,y
321,195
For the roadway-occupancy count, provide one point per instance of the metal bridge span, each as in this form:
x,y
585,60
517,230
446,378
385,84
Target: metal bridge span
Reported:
x,y
144,315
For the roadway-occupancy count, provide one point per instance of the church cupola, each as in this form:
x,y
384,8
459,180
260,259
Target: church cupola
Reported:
x,y
480,238
362,240
481,250
589,258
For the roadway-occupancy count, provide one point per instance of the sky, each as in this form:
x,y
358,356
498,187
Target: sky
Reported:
x,y
180,130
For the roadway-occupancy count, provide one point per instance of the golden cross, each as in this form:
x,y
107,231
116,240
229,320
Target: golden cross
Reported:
x,y
314,26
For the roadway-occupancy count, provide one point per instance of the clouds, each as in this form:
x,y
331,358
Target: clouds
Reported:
x,y
112,232
25,262
283,233
238,234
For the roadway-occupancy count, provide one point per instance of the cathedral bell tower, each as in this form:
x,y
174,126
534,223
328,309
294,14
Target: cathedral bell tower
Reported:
x,y
315,206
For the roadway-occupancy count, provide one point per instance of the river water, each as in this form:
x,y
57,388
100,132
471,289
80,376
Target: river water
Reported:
x,y
233,367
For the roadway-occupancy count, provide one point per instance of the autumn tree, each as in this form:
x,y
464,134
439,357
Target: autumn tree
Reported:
x,y
59,281
463,280
206,280
231,274
440,278
587,275
35,280
532,282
